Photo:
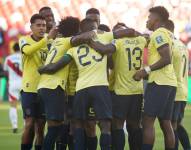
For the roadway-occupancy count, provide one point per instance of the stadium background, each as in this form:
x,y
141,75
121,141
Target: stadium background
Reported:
x,y
14,22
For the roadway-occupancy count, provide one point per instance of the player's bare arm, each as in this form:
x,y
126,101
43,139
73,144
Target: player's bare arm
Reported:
x,y
82,38
165,60
54,67
102,48
128,32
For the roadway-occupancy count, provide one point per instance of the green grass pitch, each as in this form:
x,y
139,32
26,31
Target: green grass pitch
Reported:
x,y
10,141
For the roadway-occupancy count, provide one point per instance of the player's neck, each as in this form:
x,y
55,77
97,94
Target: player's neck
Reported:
x,y
35,38
158,25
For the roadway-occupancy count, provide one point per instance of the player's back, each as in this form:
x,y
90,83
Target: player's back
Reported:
x,y
128,59
92,67
180,64
58,49
13,66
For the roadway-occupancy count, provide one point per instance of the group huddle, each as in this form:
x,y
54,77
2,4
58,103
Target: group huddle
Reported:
x,y
79,74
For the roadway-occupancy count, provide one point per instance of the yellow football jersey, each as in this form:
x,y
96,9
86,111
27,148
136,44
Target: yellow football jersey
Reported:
x,y
33,56
129,59
180,64
92,67
165,75
105,37
72,78
58,48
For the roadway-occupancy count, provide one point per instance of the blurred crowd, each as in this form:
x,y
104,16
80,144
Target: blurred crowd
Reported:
x,y
14,16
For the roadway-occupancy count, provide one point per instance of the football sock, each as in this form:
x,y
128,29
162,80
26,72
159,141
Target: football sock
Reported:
x,y
62,143
147,147
92,143
13,117
176,140
118,139
26,146
79,139
51,136
105,141
38,147
71,142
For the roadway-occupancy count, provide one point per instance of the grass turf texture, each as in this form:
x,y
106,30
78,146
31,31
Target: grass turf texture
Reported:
x,y
10,141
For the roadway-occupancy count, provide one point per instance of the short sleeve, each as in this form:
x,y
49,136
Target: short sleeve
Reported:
x,y
115,43
22,42
66,42
160,39
70,52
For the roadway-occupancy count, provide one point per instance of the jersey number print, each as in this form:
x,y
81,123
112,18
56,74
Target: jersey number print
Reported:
x,y
86,51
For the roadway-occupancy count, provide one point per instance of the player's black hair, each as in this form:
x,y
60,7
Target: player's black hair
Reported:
x,y
35,17
92,11
169,24
44,8
16,47
84,23
69,26
119,24
104,27
161,11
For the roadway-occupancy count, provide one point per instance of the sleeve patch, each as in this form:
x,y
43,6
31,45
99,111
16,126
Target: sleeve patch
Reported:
x,y
159,39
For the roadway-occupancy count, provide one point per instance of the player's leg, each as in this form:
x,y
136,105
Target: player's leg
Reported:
x,y
151,108
13,115
90,128
39,133
63,141
103,108
165,116
183,137
80,109
13,97
71,122
133,121
27,101
119,111
54,101
118,135
181,131
175,116
91,137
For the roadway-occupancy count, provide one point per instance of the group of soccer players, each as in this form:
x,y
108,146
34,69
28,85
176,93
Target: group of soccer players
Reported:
x,y
79,74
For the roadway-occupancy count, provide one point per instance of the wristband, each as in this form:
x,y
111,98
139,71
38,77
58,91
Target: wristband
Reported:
x,y
147,69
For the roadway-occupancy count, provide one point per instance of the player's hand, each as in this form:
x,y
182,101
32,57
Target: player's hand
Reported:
x,y
53,33
139,75
40,69
87,36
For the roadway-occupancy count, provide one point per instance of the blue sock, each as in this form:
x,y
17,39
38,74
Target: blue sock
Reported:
x,y
118,139
79,139
38,147
92,143
169,148
183,137
62,143
26,146
105,141
147,147
135,137
71,142
51,136
176,140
